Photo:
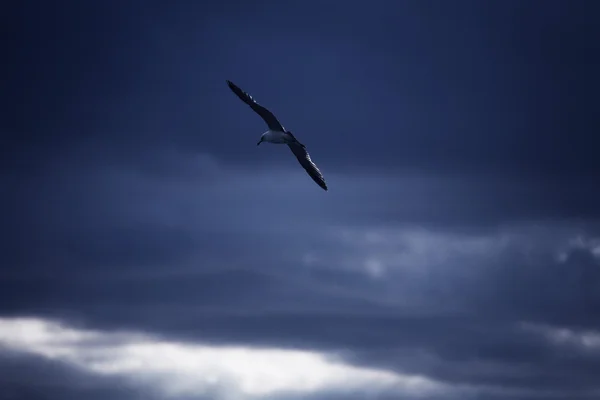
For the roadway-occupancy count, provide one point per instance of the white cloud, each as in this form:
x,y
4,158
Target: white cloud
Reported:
x,y
414,252
410,250
584,340
579,242
186,369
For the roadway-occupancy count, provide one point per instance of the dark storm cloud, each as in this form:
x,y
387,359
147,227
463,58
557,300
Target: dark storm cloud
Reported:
x,y
134,195
466,332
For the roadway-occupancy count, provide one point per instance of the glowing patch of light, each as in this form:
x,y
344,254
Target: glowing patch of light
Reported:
x,y
374,267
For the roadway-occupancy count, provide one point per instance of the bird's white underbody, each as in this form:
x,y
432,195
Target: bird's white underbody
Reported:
x,y
277,137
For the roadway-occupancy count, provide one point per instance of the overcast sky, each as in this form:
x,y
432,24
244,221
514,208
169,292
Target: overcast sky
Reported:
x,y
150,250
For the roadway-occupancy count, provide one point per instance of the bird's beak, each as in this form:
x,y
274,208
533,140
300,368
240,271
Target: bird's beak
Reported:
x,y
259,142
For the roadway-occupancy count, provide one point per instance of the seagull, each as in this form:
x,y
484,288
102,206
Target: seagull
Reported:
x,y
277,134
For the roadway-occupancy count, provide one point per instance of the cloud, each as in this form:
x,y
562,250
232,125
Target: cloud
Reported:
x,y
586,341
451,306
181,370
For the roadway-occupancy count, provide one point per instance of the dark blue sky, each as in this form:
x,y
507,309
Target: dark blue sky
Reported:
x,y
456,253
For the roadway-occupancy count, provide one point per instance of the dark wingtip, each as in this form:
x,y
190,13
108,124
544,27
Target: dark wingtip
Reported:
x,y
239,92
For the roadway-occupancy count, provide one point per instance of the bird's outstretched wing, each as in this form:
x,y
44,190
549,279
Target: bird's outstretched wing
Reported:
x,y
267,115
310,167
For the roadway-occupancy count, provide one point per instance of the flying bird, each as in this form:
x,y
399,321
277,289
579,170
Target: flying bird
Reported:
x,y
277,134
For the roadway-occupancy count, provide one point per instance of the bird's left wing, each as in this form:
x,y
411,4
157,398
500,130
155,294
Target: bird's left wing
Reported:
x,y
310,167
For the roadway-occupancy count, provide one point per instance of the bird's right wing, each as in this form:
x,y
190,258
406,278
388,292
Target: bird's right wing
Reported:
x,y
265,114
310,167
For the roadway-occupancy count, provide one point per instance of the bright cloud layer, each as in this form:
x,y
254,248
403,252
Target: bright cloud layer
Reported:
x,y
184,369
